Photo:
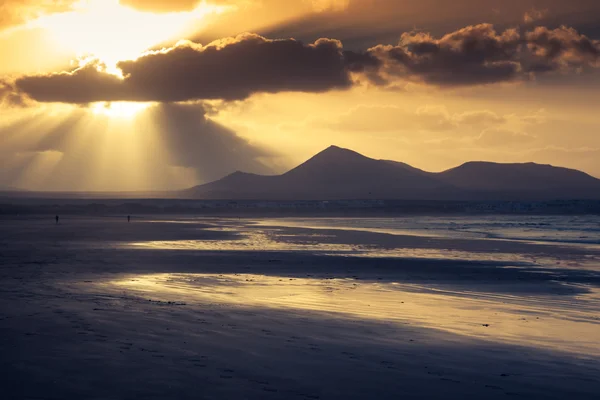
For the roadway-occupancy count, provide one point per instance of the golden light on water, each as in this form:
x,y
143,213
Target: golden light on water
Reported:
x,y
540,322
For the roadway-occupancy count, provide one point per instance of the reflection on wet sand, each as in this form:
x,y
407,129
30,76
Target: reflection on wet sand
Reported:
x,y
270,241
540,319
537,321
223,308
246,237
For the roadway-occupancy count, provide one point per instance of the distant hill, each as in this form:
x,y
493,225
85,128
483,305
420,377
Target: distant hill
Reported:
x,y
338,173
529,180
10,189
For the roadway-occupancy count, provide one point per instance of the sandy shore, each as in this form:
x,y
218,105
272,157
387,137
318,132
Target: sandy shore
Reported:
x,y
102,309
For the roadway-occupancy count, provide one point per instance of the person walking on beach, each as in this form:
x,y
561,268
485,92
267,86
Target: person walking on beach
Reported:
x,y
129,218
56,218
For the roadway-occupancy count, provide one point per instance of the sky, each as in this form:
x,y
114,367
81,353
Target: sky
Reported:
x,y
127,95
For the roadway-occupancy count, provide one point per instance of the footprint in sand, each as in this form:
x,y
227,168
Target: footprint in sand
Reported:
x,y
450,380
125,345
388,364
198,362
434,373
259,382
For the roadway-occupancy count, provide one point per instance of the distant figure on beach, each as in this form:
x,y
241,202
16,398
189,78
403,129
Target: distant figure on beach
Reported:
x,y
56,218
129,218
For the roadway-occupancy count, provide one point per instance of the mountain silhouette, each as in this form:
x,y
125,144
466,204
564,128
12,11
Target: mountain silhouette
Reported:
x,y
4,188
517,177
337,173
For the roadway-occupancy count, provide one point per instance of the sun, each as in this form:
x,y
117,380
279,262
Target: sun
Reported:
x,y
119,109
113,32
107,31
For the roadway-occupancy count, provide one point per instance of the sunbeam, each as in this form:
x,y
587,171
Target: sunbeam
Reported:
x,y
119,109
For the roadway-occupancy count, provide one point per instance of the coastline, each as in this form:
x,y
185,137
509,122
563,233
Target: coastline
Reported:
x,y
294,322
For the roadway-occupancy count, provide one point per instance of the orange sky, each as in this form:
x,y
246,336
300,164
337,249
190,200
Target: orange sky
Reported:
x,y
156,94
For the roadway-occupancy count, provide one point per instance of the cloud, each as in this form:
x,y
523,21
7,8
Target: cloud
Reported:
x,y
161,5
435,118
235,68
11,97
188,5
534,15
329,5
561,49
88,83
502,137
16,12
479,55
229,69
479,118
472,55
390,118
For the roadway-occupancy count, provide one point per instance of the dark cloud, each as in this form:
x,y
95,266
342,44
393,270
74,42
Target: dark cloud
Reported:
x,y
479,54
10,96
235,68
561,48
366,23
228,69
83,85
472,55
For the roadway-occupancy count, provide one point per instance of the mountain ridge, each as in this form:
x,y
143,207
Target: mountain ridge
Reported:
x,y
337,173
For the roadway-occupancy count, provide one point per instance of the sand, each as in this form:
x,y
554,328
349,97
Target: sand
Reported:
x,y
244,309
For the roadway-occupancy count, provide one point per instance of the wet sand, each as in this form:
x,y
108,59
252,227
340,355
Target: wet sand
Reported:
x,y
229,309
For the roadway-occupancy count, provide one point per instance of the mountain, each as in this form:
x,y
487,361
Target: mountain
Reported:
x,y
529,180
335,173
9,189
338,173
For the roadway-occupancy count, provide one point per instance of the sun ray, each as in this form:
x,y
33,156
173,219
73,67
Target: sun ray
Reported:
x,y
119,109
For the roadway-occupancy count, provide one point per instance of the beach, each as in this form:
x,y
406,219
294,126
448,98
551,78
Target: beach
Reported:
x,y
300,308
